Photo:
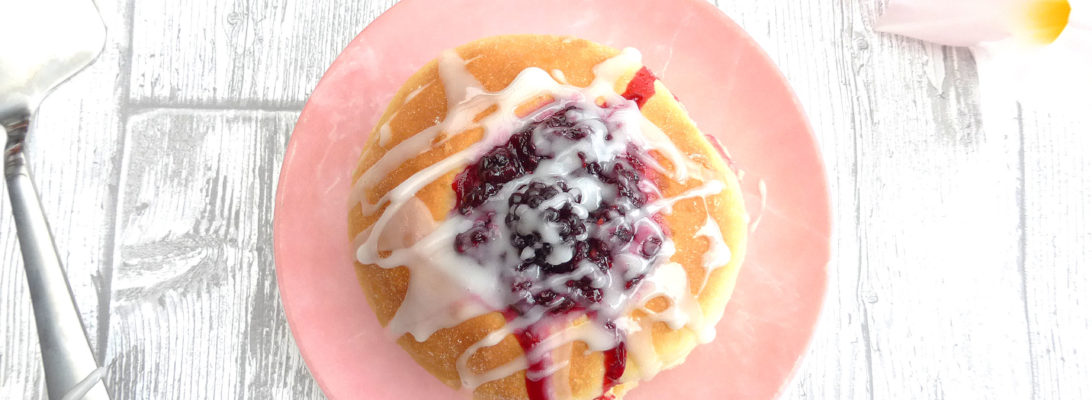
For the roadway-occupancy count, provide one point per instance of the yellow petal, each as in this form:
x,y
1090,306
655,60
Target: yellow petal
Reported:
x,y
1043,21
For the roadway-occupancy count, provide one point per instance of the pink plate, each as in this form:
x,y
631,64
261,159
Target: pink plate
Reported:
x,y
732,90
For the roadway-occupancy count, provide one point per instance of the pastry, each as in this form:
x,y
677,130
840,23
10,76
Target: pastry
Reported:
x,y
537,217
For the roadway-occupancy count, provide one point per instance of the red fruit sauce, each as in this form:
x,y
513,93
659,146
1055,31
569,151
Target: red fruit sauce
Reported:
x,y
641,87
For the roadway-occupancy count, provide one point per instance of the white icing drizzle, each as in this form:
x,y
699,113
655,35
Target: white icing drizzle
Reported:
x,y
718,255
446,288
459,83
559,76
708,188
670,281
640,349
385,129
385,133
413,94
471,380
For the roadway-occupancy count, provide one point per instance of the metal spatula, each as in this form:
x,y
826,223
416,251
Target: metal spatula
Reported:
x,y
42,43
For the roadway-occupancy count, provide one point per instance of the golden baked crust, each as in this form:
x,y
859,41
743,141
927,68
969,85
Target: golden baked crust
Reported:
x,y
495,62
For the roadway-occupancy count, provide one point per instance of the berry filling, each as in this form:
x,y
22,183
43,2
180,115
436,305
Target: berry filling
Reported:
x,y
564,233
559,208
641,87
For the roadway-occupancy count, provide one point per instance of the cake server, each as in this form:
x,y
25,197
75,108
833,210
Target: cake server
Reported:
x,y
43,43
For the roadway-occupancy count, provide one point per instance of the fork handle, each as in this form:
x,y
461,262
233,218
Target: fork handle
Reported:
x,y
66,353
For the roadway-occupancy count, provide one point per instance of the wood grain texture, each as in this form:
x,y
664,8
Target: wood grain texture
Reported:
x,y
239,53
958,243
1057,174
196,309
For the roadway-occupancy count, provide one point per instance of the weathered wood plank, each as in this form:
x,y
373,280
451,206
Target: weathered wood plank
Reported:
x,y
196,309
74,152
1058,229
939,227
240,53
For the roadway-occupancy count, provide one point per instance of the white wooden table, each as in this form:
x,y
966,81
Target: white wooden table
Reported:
x,y
958,266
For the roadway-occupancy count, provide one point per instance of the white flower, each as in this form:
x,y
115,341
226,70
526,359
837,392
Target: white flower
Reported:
x,y
1037,51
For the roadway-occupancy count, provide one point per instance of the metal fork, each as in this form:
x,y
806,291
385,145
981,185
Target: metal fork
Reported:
x,y
43,43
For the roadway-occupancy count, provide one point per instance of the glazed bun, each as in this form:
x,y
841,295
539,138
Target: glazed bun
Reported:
x,y
538,217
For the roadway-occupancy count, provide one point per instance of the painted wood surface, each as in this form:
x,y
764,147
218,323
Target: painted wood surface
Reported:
x,y
958,245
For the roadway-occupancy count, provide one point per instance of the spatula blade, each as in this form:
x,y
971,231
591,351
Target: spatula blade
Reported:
x,y
43,43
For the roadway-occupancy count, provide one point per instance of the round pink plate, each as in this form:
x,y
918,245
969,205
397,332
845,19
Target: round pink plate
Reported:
x,y
731,89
